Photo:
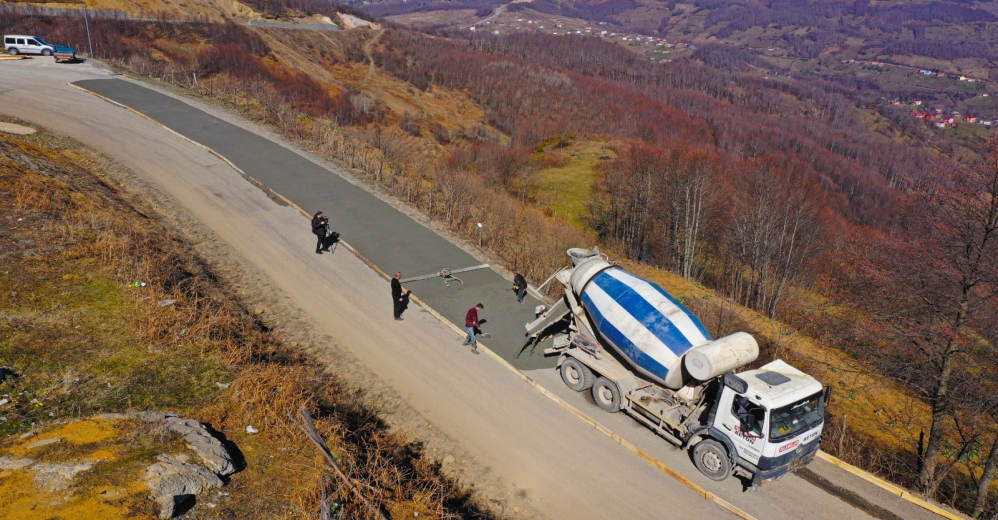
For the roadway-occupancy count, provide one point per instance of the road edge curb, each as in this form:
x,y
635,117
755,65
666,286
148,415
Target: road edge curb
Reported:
x,y
887,486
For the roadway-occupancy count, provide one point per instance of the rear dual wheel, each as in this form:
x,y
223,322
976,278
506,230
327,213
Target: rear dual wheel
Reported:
x,y
576,376
607,395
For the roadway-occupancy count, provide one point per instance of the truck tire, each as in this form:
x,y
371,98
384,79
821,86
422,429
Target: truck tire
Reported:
x,y
576,376
712,460
46,52
12,51
607,395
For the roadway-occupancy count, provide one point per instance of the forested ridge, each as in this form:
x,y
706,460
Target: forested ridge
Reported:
x,y
775,194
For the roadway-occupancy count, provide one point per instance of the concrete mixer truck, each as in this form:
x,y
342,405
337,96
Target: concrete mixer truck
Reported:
x,y
640,351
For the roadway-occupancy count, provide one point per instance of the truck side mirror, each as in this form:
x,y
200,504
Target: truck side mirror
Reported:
x,y
827,395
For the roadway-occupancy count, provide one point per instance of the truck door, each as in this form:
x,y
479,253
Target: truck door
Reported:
x,y
22,46
745,423
33,47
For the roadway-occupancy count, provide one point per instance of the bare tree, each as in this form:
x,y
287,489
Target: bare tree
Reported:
x,y
690,195
984,484
777,228
935,293
622,208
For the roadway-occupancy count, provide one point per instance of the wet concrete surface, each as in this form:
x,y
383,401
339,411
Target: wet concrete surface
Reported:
x,y
388,237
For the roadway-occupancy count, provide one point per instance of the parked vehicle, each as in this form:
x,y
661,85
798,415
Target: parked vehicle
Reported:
x,y
640,351
23,44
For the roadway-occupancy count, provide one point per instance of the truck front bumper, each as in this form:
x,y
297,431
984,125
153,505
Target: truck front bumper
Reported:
x,y
762,476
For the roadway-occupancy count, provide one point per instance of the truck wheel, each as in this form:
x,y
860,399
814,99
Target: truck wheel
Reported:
x,y
12,51
576,376
606,394
46,52
712,460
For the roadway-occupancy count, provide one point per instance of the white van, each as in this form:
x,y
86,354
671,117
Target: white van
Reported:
x,y
21,44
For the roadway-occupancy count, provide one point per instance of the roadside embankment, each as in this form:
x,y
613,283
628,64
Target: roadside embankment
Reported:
x,y
104,310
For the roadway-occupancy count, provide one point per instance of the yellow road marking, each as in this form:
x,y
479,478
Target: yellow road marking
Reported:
x,y
891,488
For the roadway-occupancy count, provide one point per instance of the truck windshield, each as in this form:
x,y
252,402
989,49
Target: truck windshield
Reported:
x,y
793,418
41,41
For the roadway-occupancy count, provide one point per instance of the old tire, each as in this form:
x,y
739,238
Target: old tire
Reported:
x,y
711,458
46,52
12,51
607,395
576,376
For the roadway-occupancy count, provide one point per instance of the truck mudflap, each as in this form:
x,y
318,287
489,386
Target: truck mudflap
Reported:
x,y
770,469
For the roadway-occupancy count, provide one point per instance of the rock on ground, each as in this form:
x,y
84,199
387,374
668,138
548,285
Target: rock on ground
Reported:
x,y
9,463
209,448
173,481
44,442
53,477
16,129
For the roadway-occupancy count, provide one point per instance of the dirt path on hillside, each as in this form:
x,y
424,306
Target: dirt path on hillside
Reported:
x,y
370,58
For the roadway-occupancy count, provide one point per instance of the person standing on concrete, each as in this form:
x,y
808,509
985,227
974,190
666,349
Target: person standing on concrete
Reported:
x,y
519,285
471,323
320,224
398,298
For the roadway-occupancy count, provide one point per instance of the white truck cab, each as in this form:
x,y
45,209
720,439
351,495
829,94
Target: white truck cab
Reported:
x,y
23,44
768,418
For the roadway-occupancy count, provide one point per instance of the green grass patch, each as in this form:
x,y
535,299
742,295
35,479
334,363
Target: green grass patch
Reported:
x,y
565,190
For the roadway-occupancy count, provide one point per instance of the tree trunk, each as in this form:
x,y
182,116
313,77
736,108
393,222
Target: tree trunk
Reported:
x,y
985,483
928,480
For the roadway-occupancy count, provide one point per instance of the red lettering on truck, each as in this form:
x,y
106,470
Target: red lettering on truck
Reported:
x,y
789,446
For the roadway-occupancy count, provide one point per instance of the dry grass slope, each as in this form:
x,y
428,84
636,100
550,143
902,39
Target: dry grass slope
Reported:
x,y
83,341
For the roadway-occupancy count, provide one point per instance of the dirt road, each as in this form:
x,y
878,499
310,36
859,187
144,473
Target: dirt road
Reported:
x,y
531,456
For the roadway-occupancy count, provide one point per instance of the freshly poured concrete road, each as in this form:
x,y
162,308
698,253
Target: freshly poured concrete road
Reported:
x,y
386,236
554,465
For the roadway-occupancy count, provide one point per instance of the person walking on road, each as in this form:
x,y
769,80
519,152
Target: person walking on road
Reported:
x,y
471,323
320,224
519,285
398,299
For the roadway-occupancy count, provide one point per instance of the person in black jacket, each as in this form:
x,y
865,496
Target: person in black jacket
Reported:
x,y
320,225
519,285
398,299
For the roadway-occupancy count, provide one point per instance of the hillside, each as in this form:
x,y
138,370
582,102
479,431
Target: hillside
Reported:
x,y
122,322
209,10
801,200
894,58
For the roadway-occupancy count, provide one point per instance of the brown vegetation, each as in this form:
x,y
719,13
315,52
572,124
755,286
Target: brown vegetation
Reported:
x,y
83,341
770,192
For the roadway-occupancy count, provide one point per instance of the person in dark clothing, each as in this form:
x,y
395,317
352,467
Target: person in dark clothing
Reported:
x,y
398,299
519,285
320,225
471,323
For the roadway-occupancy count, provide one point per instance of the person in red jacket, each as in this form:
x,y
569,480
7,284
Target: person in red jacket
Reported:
x,y
471,323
